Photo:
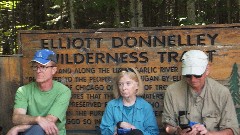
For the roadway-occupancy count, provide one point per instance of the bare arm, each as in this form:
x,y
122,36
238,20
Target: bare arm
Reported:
x,y
47,123
178,131
199,128
19,128
222,132
20,117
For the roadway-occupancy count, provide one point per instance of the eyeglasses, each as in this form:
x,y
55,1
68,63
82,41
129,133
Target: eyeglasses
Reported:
x,y
41,68
196,76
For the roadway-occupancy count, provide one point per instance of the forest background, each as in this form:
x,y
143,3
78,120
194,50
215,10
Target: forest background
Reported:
x,y
94,14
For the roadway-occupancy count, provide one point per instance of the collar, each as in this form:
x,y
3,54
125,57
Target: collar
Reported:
x,y
137,105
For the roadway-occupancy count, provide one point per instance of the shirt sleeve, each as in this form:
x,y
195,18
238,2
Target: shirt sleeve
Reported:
x,y
60,105
229,118
21,100
107,125
150,123
168,116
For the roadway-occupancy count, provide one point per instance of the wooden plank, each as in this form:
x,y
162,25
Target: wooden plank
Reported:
x,y
10,80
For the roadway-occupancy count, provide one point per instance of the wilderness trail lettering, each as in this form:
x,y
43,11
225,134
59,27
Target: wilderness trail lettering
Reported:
x,y
85,104
101,79
169,69
96,113
154,96
145,70
147,78
96,58
89,87
84,70
132,57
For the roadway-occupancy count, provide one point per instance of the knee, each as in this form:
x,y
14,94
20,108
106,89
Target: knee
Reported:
x,y
35,129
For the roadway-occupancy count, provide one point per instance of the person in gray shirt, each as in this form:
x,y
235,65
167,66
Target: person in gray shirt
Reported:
x,y
198,105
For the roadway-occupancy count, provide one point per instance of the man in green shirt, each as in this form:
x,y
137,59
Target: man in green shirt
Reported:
x,y
40,107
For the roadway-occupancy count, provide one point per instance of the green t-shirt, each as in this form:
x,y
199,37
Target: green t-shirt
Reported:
x,y
38,103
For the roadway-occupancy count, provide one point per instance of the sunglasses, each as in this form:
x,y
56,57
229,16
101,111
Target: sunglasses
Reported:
x,y
196,76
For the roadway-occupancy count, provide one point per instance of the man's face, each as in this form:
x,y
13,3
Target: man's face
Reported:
x,y
43,73
197,82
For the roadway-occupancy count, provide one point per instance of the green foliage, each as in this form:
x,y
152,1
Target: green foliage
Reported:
x,y
94,14
56,17
234,80
8,31
8,4
57,2
157,1
234,89
238,115
97,4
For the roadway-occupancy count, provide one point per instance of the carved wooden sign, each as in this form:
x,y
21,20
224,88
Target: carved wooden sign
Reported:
x,y
88,61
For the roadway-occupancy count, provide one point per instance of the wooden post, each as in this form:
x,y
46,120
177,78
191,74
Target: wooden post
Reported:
x,y
10,80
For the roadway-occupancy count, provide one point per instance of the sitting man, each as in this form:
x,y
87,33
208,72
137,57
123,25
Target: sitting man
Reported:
x,y
198,105
40,107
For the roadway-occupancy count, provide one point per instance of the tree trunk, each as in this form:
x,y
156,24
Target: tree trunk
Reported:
x,y
72,19
139,13
191,11
61,10
133,13
238,17
175,13
136,13
228,11
117,14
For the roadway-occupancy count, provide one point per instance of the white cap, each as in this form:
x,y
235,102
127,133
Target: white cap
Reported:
x,y
194,62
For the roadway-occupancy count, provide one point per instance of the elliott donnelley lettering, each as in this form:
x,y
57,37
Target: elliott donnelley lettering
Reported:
x,y
149,41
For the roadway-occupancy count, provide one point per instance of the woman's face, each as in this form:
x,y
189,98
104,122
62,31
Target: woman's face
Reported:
x,y
127,86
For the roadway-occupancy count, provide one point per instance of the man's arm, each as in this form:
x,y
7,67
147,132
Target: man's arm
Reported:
x,y
20,117
197,128
178,131
47,123
16,129
203,131
227,131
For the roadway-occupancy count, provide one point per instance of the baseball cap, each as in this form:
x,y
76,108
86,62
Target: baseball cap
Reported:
x,y
44,56
194,62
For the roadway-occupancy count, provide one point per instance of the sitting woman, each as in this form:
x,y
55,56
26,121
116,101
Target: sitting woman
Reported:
x,y
128,113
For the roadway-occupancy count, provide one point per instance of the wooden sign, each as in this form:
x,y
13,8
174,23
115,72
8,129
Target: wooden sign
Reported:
x,y
89,60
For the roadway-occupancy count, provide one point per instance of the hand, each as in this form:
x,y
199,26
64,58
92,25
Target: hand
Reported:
x,y
201,129
12,131
127,125
187,131
48,126
19,128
